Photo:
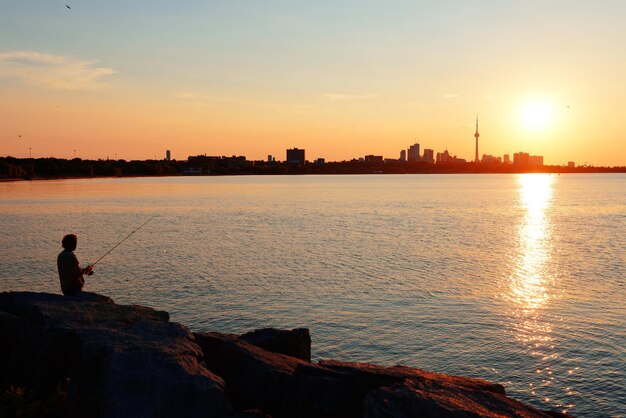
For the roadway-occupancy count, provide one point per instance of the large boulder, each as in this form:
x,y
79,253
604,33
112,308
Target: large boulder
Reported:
x,y
111,360
441,399
255,378
285,387
342,389
295,343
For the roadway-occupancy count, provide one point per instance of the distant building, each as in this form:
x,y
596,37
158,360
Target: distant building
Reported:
x,y
535,160
446,158
414,152
208,164
295,156
571,164
269,158
520,159
507,159
403,155
476,135
320,161
373,158
443,157
490,159
168,155
428,156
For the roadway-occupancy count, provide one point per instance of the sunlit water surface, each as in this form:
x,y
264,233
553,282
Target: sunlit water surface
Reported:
x,y
518,279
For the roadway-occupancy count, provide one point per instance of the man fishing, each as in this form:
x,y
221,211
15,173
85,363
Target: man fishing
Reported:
x,y
70,272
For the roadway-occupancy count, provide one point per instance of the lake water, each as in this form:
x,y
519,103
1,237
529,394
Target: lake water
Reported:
x,y
518,279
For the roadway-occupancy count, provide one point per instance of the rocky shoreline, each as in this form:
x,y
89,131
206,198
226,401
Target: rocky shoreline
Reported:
x,y
86,356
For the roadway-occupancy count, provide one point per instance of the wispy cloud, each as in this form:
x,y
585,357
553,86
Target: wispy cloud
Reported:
x,y
52,71
340,96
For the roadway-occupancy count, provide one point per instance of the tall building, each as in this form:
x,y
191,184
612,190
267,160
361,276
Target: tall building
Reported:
x,y
414,152
520,159
507,159
535,160
168,155
476,135
571,164
443,157
403,155
428,156
295,156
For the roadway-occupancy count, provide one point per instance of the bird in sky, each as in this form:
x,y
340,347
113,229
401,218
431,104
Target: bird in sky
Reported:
x,y
19,136
67,6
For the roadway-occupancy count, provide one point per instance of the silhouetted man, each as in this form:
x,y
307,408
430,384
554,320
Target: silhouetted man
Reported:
x,y
70,273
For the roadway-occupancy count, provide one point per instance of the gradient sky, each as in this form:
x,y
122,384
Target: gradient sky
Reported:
x,y
341,79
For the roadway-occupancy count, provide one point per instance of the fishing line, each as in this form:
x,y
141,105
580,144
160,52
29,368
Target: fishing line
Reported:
x,y
128,236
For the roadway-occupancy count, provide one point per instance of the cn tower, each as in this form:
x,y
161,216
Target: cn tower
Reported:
x,y
476,135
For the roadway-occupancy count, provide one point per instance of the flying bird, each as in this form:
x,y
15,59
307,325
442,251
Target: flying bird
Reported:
x,y
19,136
67,6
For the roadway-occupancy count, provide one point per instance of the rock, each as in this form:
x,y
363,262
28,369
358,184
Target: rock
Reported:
x,y
373,375
212,342
341,389
107,360
295,343
316,391
442,399
255,378
113,360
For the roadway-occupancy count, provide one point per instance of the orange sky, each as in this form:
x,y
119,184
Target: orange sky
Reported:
x,y
339,79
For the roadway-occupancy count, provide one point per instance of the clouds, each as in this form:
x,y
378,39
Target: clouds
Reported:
x,y
52,71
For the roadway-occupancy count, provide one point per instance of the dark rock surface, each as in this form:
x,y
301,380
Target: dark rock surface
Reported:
x,y
440,399
255,378
108,360
113,360
316,390
295,343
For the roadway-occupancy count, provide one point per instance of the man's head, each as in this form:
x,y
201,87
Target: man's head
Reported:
x,y
69,242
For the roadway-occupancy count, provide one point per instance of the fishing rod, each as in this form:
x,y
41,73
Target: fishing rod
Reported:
x,y
127,236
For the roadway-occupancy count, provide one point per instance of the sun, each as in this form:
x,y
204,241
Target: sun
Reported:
x,y
537,115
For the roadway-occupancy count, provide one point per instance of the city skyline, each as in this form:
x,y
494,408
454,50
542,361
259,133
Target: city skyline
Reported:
x,y
340,79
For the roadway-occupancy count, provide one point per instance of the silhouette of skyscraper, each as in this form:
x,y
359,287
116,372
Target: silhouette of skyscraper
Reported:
x,y
414,152
295,156
476,135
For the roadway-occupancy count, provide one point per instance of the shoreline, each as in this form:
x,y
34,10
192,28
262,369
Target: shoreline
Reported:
x,y
19,179
54,168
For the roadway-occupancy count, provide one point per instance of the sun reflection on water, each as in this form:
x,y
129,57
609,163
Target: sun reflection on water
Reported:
x,y
532,281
